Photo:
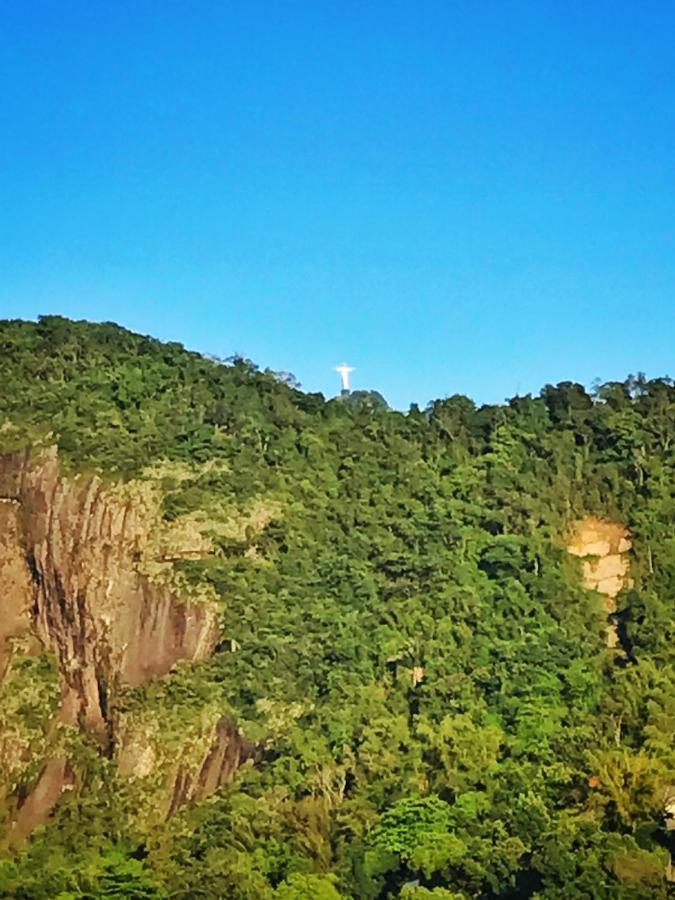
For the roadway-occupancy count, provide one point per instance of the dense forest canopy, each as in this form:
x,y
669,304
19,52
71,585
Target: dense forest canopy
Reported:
x,y
405,637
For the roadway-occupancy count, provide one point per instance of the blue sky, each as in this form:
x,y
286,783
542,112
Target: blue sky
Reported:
x,y
473,197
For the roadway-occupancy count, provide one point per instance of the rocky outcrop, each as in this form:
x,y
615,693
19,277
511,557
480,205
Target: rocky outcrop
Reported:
x,y
17,589
107,623
86,570
604,546
168,777
34,805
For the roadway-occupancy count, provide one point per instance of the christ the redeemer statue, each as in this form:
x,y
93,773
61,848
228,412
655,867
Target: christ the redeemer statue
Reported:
x,y
344,371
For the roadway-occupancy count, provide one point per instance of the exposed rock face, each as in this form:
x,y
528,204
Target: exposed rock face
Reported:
x,y
604,547
17,590
33,809
207,759
81,570
105,621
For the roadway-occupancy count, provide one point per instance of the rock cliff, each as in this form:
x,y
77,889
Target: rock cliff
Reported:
x,y
86,575
604,546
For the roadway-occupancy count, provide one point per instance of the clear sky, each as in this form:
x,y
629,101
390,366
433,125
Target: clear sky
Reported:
x,y
472,196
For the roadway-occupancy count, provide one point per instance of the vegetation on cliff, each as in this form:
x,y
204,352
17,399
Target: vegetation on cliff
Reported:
x,y
403,635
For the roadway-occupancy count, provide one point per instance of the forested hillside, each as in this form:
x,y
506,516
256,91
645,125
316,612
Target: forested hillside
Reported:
x,y
411,688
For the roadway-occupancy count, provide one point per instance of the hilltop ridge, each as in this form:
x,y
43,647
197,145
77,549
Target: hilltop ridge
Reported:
x,y
259,644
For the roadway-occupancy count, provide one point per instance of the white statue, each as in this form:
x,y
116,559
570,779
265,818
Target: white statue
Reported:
x,y
344,371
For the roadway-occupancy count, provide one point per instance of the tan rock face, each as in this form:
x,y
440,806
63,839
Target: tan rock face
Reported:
x,y
17,590
167,778
227,749
106,622
604,547
34,808
88,569
598,537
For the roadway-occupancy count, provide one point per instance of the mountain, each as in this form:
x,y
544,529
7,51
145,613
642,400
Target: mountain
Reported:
x,y
259,645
